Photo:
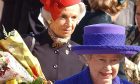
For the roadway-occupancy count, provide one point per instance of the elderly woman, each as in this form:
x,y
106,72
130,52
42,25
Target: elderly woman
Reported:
x,y
103,50
53,46
102,11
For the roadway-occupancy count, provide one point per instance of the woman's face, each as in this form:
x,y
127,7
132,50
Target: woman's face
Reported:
x,y
137,16
104,67
65,24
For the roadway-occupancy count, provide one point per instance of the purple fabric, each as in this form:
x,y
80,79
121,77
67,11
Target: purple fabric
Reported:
x,y
84,78
116,80
127,50
104,28
105,39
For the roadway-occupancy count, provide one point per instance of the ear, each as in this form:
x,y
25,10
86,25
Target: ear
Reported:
x,y
50,21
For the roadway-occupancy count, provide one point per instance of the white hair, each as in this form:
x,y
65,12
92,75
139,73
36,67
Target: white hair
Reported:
x,y
47,15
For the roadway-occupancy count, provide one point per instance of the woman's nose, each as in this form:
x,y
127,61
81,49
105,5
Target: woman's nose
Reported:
x,y
69,22
108,66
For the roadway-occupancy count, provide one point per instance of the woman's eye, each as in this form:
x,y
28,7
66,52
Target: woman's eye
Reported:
x,y
115,61
102,60
63,16
74,17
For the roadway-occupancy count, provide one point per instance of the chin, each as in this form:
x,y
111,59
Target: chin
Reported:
x,y
66,35
106,81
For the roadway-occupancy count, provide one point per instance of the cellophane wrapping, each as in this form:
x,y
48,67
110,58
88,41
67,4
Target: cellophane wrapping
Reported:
x,y
10,68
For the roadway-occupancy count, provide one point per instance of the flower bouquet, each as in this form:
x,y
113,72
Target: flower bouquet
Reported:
x,y
10,68
20,64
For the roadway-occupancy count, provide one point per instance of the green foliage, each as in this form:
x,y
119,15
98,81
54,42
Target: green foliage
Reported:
x,y
38,81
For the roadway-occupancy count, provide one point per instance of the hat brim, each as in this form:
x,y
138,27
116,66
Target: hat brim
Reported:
x,y
90,49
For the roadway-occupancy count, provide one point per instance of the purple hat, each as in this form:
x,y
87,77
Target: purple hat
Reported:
x,y
105,39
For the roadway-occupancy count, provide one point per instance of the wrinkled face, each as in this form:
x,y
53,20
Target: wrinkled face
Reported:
x,y
137,16
64,25
104,67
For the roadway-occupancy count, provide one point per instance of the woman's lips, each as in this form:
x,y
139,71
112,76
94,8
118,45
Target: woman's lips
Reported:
x,y
67,30
106,75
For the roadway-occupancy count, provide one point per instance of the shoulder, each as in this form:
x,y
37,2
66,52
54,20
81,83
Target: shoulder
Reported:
x,y
125,82
42,38
72,80
81,78
73,43
28,39
31,39
118,80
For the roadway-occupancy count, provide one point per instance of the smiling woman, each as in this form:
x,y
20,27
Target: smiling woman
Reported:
x,y
108,69
103,49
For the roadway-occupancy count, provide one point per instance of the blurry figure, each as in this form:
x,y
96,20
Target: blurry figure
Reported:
x,y
102,11
1,9
126,16
132,65
16,15
103,50
53,45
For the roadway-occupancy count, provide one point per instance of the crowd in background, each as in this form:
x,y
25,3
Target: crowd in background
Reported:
x,y
15,15
40,29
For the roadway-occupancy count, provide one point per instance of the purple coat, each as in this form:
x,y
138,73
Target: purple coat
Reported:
x,y
84,78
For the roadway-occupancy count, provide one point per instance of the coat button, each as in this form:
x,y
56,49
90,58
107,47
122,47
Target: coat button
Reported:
x,y
55,66
56,51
